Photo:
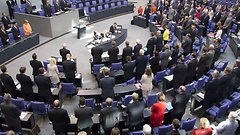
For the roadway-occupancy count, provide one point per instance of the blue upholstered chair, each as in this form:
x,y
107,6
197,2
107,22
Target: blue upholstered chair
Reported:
x,y
114,104
40,107
68,88
90,102
188,125
21,104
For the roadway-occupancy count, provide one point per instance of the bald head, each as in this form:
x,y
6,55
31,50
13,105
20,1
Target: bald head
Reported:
x,y
64,45
211,47
10,132
68,56
182,89
56,103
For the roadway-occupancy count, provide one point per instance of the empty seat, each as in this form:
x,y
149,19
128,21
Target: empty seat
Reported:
x,y
80,5
106,6
112,5
87,3
94,2
119,4
92,9
99,8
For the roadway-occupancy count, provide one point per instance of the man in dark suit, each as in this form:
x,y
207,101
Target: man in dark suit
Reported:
x,y
141,63
109,117
237,15
47,9
176,125
193,35
179,103
137,48
97,52
35,64
165,57
113,53
59,118
202,63
69,68
11,114
223,17
57,6
217,50
29,8
63,5
191,71
10,4
4,35
127,51
211,91
187,45
113,28
159,41
84,116
26,84
217,16
151,44
16,32
147,11
179,74
8,83
135,113
128,69
64,51
107,85
6,21
236,74
44,87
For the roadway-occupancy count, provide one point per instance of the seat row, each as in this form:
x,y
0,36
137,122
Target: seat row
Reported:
x,y
11,39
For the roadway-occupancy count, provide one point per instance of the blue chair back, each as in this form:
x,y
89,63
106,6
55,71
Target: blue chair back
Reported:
x,y
234,103
20,104
99,8
3,133
234,28
151,99
92,9
87,3
199,84
94,2
16,8
42,13
39,107
45,63
114,104
1,45
119,4
23,6
131,81
127,99
1,99
159,76
222,111
90,102
112,5
80,5
11,39
189,88
68,88
125,2
116,66
86,11
60,68
100,1
188,125
137,133
96,68
163,130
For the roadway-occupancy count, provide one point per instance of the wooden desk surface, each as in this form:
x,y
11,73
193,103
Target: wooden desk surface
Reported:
x,y
55,91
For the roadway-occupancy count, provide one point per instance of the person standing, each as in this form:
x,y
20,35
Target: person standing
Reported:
x,y
187,45
166,34
10,4
179,74
113,53
165,57
191,71
47,9
44,87
6,21
154,63
16,32
127,51
64,51
107,85
146,81
26,84
4,35
128,69
53,72
141,64
158,108
35,64
159,41
97,52
69,68
27,28
8,83
202,63
84,116
11,114
59,118
137,48
113,28
29,8
151,44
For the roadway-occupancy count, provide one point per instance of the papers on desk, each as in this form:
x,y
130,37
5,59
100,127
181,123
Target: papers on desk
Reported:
x,y
77,75
169,106
18,86
201,95
52,89
169,77
23,115
138,85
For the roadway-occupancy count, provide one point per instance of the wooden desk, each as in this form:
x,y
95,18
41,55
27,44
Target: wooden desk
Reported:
x,y
140,21
78,79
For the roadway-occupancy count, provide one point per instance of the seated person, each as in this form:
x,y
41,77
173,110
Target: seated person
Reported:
x,y
27,28
105,34
113,28
96,36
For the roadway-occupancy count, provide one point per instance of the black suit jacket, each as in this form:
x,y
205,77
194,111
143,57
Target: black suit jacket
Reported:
x,y
128,71
59,118
57,7
11,114
150,45
6,21
4,37
154,62
202,62
236,77
48,10
179,74
225,83
141,63
84,117
159,43
63,5
69,68
187,45
127,51
173,132
211,93
109,117
192,66
136,50
8,83
44,85
237,15
16,33
113,54
112,29
217,17
107,84
135,113
217,53
26,83
174,56
179,103
63,53
222,19
97,54
193,35
35,64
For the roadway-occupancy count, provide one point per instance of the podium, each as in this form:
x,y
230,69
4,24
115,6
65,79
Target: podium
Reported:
x,y
81,30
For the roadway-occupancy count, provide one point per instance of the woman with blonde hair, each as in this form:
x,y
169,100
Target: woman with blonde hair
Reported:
x,y
53,72
146,81
204,129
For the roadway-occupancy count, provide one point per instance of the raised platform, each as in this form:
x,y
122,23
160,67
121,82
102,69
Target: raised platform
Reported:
x,y
10,51
50,26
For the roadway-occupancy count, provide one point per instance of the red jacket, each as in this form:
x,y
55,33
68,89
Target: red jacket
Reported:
x,y
157,116
201,131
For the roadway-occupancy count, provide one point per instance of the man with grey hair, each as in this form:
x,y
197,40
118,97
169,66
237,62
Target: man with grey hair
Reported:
x,y
64,51
211,90
11,114
137,48
141,63
229,126
165,57
210,56
147,129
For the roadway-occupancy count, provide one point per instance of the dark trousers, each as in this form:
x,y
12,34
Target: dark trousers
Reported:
x,y
178,116
28,97
60,133
165,41
47,99
135,127
11,13
70,80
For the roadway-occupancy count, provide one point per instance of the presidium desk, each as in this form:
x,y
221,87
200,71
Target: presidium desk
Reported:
x,y
50,26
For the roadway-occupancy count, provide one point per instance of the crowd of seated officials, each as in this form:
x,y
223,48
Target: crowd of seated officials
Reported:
x,y
9,27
